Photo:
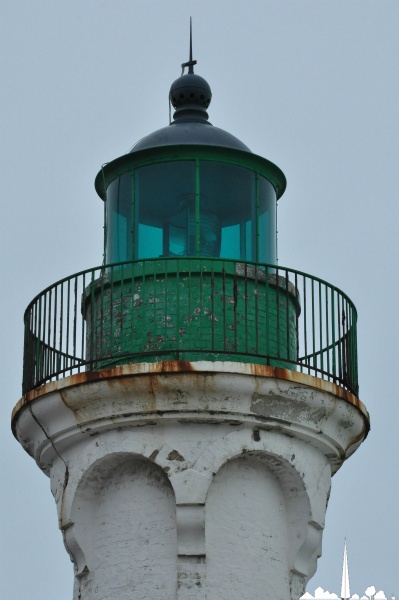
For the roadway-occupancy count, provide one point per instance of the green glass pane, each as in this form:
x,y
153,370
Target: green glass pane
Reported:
x,y
151,240
165,209
249,241
230,247
267,222
118,213
227,210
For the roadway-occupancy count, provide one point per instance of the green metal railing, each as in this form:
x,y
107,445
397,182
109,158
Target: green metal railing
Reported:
x,y
190,309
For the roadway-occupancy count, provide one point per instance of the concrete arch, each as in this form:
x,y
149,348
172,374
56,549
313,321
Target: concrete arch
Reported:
x,y
104,448
246,532
123,524
304,478
309,470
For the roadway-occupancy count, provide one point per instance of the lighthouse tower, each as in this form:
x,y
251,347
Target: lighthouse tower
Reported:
x,y
190,399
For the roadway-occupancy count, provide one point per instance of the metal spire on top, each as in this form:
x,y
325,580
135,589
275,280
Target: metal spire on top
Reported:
x,y
190,64
345,589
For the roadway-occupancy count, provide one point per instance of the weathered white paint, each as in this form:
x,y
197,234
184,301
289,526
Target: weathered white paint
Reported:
x,y
124,508
207,482
246,532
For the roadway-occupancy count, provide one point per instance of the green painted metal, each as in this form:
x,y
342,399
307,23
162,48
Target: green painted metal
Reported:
x,y
247,160
204,310
191,309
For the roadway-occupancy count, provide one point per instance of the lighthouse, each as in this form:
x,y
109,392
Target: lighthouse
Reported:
x,y
190,399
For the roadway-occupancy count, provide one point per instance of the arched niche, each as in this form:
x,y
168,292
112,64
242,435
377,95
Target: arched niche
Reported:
x,y
256,517
124,525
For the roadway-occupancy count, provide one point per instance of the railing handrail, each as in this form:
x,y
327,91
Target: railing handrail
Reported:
x,y
173,258
68,326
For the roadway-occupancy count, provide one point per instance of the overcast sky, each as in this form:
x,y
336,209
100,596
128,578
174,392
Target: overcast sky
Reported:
x,y
312,85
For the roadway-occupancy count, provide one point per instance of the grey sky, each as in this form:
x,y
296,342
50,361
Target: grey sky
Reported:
x,y
311,85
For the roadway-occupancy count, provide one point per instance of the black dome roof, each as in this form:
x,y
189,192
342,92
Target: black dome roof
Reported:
x,y
190,133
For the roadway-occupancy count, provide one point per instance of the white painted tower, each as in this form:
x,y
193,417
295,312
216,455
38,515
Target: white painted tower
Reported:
x,y
191,400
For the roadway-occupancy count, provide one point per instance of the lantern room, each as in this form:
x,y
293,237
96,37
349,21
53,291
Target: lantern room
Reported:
x,y
190,190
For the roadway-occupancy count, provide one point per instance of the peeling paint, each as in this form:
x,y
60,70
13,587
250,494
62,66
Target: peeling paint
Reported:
x,y
154,454
175,455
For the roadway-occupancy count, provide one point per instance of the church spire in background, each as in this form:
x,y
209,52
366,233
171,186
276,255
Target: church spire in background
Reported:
x,y
345,588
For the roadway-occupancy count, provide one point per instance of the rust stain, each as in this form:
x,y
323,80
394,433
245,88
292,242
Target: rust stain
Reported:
x,y
185,366
176,366
152,407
